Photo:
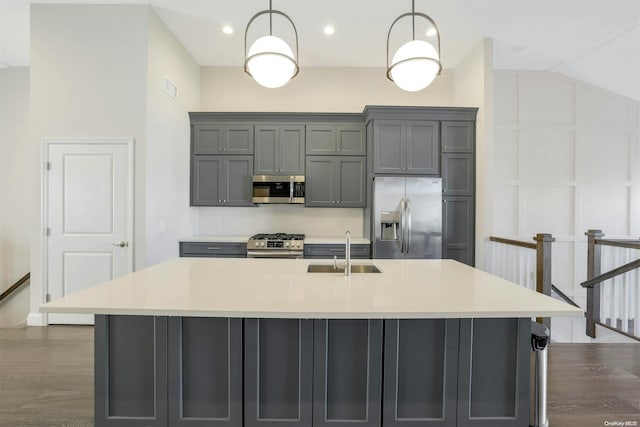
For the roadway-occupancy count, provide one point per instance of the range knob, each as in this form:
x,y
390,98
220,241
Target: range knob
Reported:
x,y
261,243
286,244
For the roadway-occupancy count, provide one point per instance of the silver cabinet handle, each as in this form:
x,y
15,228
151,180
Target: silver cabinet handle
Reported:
x,y
336,250
120,244
408,208
213,249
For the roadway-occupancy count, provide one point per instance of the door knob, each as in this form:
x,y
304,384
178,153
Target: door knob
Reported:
x,y
121,244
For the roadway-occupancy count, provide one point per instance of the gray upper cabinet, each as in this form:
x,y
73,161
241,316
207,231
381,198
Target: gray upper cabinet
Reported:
x,y
408,147
221,180
458,137
279,150
345,140
223,139
335,181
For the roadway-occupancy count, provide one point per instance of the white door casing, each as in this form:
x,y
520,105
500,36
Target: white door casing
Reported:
x,y
88,216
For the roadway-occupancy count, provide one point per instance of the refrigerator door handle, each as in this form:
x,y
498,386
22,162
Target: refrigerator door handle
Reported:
x,y
402,225
408,226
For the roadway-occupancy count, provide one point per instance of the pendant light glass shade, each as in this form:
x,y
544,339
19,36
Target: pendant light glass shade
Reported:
x,y
270,60
417,62
415,65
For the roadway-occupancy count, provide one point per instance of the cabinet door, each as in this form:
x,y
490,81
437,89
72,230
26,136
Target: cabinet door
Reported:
x,y
206,174
278,372
350,140
321,139
130,370
493,379
458,174
205,371
422,148
351,183
291,150
208,139
458,137
265,160
213,249
389,156
239,139
319,183
458,229
420,372
236,184
347,372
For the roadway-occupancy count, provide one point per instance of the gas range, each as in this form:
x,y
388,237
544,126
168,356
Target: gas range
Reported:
x,y
276,245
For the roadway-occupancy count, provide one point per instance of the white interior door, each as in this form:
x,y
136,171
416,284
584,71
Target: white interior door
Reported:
x,y
88,205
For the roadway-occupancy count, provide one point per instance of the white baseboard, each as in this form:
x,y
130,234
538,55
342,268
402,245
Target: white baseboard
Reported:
x,y
36,319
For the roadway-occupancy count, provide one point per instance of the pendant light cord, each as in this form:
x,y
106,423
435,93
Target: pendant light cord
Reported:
x,y
270,19
413,18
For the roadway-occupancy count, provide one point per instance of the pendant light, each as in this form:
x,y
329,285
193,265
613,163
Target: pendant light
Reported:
x,y
270,60
417,62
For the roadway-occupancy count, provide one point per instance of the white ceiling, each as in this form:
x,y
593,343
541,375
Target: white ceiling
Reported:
x,y
597,41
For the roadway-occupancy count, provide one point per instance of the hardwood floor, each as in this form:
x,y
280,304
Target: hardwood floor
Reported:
x,y
46,380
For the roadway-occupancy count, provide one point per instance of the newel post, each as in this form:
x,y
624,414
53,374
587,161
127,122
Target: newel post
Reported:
x,y
543,268
593,270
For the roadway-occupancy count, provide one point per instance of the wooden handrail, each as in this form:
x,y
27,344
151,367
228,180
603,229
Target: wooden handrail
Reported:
x,y
513,242
611,274
564,297
15,286
629,244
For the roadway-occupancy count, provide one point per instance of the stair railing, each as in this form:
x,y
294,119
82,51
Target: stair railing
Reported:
x,y
15,286
517,265
617,307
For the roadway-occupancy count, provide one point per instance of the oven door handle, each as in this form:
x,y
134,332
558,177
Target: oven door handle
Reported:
x,y
275,254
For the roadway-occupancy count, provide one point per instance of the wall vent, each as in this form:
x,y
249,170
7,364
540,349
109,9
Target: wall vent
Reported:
x,y
170,88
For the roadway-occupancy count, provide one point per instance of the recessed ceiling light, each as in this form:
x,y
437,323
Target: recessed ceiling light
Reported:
x,y
227,29
431,32
328,30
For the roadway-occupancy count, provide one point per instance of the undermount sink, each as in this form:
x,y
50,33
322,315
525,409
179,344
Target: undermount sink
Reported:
x,y
355,268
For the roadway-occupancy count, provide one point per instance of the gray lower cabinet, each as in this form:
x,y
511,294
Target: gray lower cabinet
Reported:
x,y
493,376
458,228
130,371
205,371
213,249
420,372
336,181
279,150
278,372
347,375
221,180
328,251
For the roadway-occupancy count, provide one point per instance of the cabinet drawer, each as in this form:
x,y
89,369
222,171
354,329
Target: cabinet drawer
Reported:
x,y
362,251
213,249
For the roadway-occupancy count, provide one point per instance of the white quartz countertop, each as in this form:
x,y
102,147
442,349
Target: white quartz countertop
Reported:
x,y
282,288
311,240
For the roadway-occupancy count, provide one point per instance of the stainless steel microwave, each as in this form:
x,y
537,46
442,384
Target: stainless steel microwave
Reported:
x,y
278,189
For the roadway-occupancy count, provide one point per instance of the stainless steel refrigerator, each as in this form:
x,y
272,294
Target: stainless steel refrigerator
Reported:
x,y
407,217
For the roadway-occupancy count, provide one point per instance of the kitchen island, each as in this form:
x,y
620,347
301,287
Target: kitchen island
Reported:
x,y
251,342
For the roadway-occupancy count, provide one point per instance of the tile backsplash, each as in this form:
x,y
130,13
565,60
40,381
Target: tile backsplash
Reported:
x,y
230,221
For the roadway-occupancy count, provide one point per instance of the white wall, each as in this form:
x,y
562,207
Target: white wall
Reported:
x,y
168,141
15,161
87,81
473,83
566,159
345,90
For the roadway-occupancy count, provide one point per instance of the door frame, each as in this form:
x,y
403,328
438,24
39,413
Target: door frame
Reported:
x,y
44,200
